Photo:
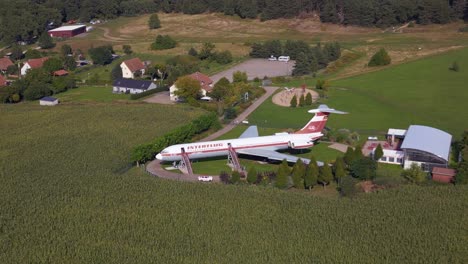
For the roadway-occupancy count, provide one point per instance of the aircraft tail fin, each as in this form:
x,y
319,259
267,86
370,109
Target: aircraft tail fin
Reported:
x,y
318,122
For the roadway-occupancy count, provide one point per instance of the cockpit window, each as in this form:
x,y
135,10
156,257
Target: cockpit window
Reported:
x,y
164,151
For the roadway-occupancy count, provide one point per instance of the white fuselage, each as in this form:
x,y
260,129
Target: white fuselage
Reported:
x,y
217,148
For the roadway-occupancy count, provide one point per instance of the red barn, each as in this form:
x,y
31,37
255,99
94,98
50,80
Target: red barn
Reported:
x,y
67,31
443,175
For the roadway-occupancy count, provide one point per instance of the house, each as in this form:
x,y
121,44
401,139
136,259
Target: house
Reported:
x,y
3,81
132,68
132,86
67,31
206,85
443,175
33,64
4,64
428,147
50,101
60,73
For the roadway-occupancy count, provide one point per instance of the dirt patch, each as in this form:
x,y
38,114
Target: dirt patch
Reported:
x,y
159,98
284,97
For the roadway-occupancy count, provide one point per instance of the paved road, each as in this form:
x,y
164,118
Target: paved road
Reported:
x,y
155,168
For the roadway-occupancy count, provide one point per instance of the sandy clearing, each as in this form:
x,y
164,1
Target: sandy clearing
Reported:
x,y
284,97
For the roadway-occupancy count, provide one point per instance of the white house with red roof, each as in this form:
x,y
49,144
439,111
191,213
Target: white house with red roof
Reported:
x,y
206,84
33,64
132,67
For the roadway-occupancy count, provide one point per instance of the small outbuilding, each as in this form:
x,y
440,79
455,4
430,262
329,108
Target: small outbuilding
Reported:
x,y
132,86
48,100
444,175
67,31
33,64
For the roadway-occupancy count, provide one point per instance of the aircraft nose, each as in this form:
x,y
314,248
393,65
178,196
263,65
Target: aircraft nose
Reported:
x,y
159,156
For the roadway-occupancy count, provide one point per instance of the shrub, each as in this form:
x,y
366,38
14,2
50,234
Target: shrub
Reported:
x,y
293,102
235,177
364,168
101,55
252,175
414,174
223,57
154,22
348,186
455,67
380,58
224,177
127,49
163,42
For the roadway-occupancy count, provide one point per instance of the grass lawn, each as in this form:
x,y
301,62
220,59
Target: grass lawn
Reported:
x,y
91,94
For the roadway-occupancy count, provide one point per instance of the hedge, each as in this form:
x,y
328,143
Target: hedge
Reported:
x,y
147,152
149,92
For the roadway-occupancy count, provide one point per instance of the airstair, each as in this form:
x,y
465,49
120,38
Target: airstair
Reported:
x,y
185,165
233,160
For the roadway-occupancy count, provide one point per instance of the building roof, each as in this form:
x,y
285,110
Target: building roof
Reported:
x,y
36,63
67,28
396,132
60,73
444,171
204,80
428,139
135,84
134,64
49,99
3,81
4,63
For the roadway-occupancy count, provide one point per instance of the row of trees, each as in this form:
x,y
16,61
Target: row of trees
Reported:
x,y
303,100
24,19
207,52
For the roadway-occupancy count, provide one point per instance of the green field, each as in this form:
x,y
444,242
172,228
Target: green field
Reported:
x,y
91,94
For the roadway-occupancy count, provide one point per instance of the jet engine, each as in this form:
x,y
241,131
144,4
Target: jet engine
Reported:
x,y
300,144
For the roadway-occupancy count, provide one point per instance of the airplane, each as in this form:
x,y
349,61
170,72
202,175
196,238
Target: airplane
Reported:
x,y
250,143
290,90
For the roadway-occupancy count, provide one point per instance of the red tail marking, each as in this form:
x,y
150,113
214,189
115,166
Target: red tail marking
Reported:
x,y
316,124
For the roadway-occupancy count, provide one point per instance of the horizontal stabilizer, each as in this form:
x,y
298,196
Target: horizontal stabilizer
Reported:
x,y
325,109
250,132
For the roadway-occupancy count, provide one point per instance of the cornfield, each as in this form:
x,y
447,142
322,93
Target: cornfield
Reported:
x,y
67,196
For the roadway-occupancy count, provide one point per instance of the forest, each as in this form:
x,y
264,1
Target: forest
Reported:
x,y
23,20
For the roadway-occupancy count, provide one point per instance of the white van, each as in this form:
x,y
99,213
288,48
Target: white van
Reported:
x,y
283,58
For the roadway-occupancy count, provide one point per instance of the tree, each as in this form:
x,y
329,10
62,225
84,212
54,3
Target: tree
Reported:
x,y
12,70
66,50
302,101
230,113
414,174
223,57
325,175
36,90
235,177
33,54
282,175
298,173
358,152
348,186
303,65
116,72
308,99
206,51
53,64
69,63
321,85
224,177
163,42
339,169
16,52
364,168
127,49
293,102
193,52
239,77
349,156
252,175
380,58
311,174
101,55
378,153
188,87
221,89
154,22
45,41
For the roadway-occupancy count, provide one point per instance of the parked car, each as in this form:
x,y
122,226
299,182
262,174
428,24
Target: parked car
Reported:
x,y
205,178
283,58
272,58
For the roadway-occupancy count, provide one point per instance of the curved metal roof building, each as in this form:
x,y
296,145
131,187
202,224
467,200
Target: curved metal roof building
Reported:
x,y
428,139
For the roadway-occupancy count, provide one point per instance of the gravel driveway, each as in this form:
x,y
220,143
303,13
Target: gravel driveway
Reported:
x,y
257,68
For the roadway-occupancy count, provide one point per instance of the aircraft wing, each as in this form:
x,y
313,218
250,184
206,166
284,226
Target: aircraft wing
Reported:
x,y
273,155
250,132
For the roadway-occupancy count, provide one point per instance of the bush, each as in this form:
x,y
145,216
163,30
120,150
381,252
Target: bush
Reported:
x,y
223,57
146,152
293,102
230,113
149,92
455,67
348,186
163,42
154,22
364,168
101,55
380,58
